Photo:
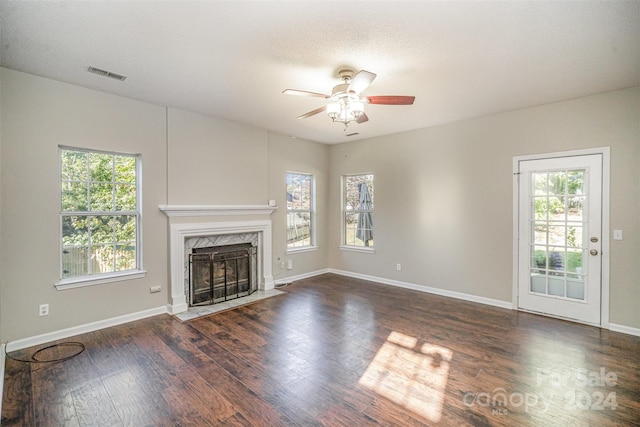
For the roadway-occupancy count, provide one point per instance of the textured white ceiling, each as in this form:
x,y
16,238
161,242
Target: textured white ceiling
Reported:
x,y
233,59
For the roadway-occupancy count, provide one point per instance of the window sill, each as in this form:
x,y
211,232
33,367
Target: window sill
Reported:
x,y
361,249
81,282
300,250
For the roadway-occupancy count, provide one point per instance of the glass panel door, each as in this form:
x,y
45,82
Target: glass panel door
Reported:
x,y
559,233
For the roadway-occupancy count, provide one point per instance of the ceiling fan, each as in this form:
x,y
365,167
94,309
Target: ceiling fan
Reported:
x,y
346,102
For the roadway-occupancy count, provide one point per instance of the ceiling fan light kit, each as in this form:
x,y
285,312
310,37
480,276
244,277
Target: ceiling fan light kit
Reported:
x,y
345,110
346,104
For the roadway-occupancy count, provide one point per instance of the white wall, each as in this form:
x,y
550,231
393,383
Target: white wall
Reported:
x,y
444,199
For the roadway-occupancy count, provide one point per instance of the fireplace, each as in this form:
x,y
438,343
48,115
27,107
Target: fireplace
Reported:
x,y
184,236
222,273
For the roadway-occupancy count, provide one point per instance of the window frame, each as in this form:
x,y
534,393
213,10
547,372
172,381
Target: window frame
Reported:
x,y
312,215
343,220
108,277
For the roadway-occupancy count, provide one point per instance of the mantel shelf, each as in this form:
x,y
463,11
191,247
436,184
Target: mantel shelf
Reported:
x,y
210,210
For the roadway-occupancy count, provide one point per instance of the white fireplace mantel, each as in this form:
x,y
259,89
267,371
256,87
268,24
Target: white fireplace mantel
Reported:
x,y
206,210
178,234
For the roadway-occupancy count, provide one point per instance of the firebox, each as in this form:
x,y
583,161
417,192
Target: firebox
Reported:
x,y
222,273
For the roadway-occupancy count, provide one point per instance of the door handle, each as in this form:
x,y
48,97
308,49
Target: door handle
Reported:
x,y
593,252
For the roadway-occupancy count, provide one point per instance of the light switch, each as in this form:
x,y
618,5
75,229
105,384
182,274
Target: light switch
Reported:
x,y
617,234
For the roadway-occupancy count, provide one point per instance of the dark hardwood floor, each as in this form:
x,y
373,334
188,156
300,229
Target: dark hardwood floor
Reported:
x,y
339,352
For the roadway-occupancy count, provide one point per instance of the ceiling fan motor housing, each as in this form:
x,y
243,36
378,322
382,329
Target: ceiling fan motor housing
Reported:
x,y
345,75
339,91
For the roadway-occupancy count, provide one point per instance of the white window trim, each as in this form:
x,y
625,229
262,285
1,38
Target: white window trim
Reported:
x,y
343,244
362,249
301,249
312,246
98,279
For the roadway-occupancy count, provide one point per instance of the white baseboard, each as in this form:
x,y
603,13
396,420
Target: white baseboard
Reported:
x,y
177,308
94,326
81,329
301,276
427,289
467,297
624,329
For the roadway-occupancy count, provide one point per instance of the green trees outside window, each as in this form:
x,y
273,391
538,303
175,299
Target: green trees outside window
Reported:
x,y
559,221
99,212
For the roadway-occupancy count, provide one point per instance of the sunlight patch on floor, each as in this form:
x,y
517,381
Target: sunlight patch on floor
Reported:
x,y
409,375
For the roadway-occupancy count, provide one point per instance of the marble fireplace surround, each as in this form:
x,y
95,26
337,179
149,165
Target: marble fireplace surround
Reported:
x,y
205,228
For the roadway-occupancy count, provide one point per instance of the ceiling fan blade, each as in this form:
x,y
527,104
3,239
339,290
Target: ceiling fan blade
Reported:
x,y
313,113
391,100
363,118
304,93
361,81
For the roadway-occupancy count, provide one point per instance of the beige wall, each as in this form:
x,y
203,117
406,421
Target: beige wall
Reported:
x,y
215,162
187,158
2,340
297,155
218,162
38,115
444,196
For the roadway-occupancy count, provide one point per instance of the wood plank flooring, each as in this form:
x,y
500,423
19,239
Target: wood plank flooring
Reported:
x,y
336,351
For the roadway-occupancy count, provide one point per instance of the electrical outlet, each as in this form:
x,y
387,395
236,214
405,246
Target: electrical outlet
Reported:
x,y
289,264
154,289
44,310
398,267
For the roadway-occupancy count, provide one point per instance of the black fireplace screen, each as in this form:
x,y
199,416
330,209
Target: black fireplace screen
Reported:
x,y
222,273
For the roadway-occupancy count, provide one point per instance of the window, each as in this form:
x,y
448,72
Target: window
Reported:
x,y
300,211
99,214
357,208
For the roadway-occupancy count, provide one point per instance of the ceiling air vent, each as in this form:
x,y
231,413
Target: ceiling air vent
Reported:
x,y
353,134
106,73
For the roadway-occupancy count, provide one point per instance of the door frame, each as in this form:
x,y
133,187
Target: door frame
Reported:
x,y
606,172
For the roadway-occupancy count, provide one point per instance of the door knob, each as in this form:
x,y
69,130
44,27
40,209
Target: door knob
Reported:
x,y
594,239
593,252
